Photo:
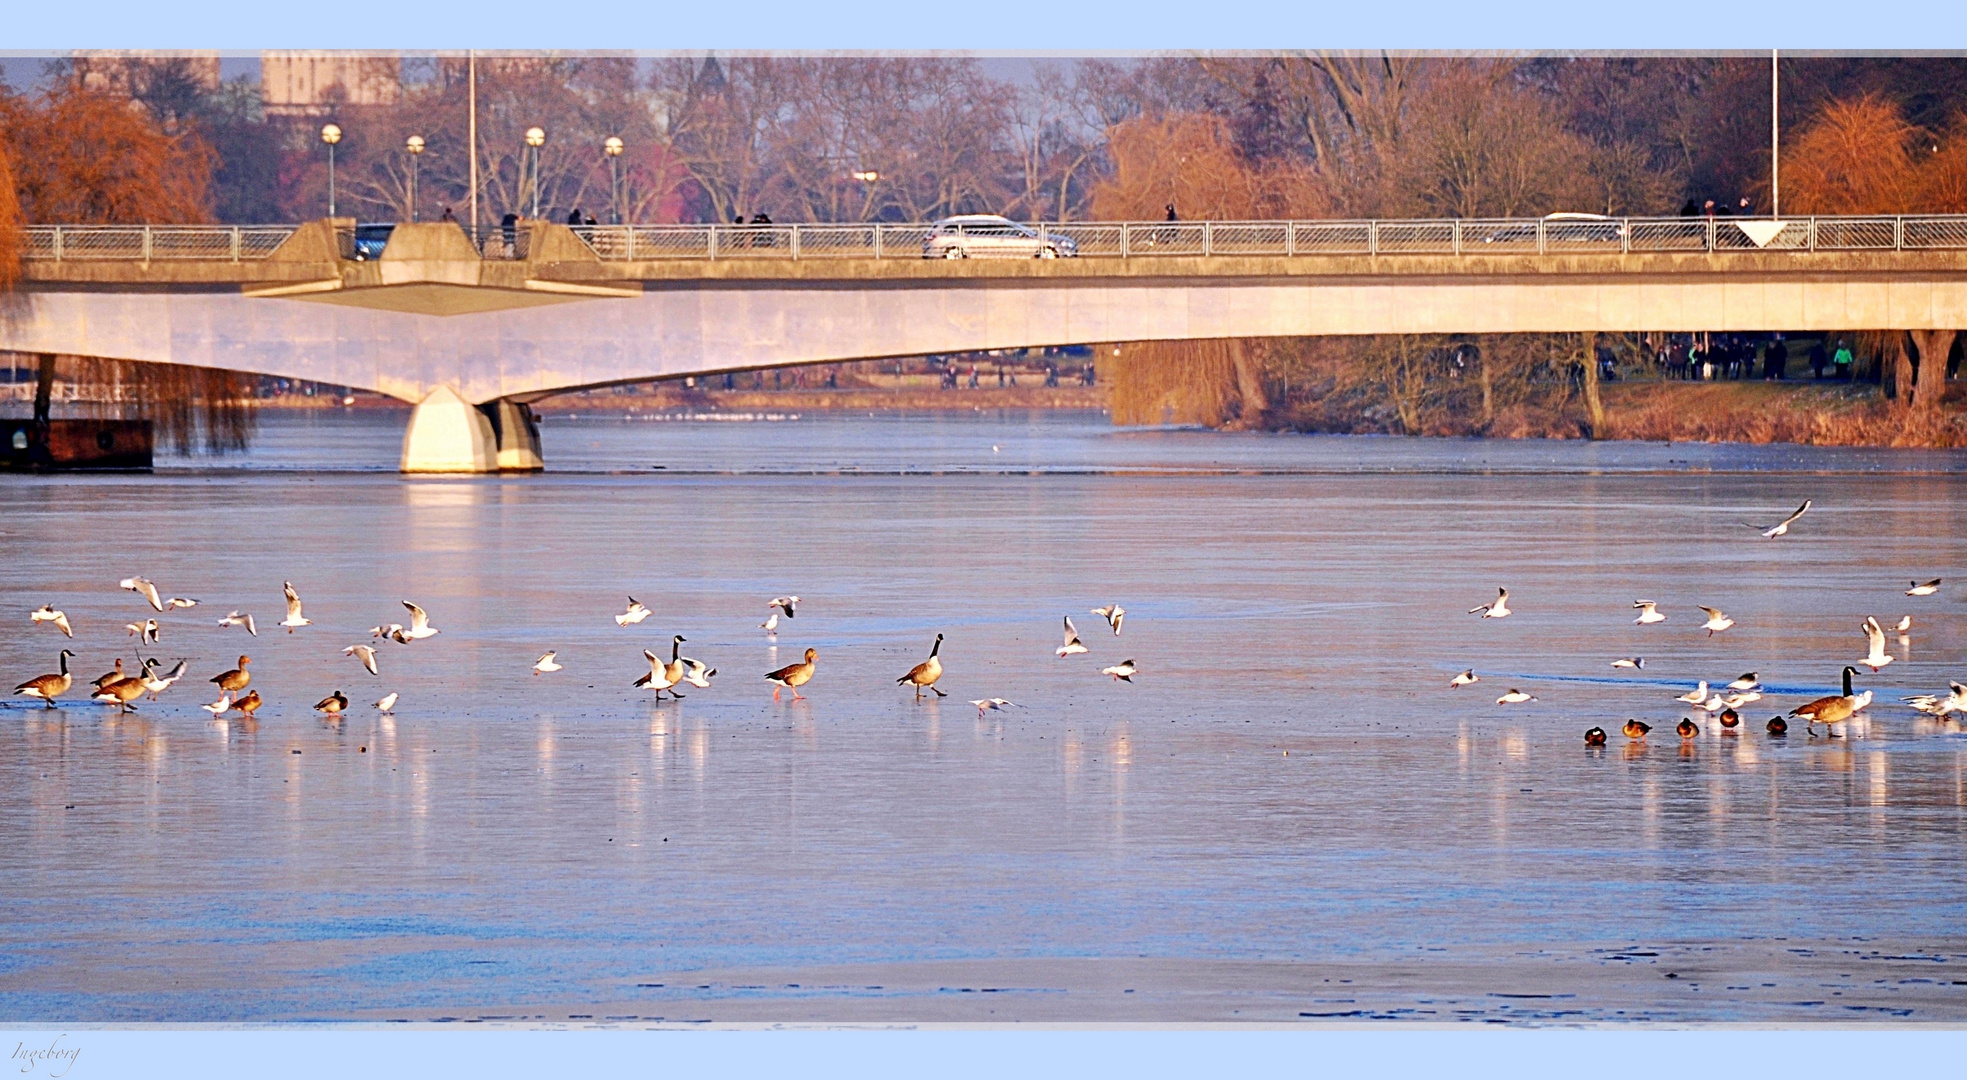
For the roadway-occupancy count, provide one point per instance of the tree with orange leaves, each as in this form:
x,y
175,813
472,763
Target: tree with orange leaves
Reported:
x,y
1856,157
1190,161
10,224
80,157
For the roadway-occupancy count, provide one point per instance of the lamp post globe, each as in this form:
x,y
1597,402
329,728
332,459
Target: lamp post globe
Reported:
x,y
331,134
612,146
414,144
536,138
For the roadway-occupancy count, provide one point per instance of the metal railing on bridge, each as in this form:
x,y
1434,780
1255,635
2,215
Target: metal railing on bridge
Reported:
x,y
154,243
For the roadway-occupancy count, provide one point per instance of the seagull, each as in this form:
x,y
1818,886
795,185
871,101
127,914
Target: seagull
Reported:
x,y
926,673
1835,709
1716,621
419,628
1464,679
1781,527
1649,612
1904,626
1748,681
157,684
697,674
545,663
1072,644
635,613
222,705
1875,656
785,604
794,675
1634,662
1497,610
366,653
237,619
143,587
1736,701
1938,707
387,703
181,602
332,704
51,686
145,630
1121,672
1927,589
1635,730
658,677
1112,613
1695,696
392,631
991,704
293,621
771,624
47,613
1515,697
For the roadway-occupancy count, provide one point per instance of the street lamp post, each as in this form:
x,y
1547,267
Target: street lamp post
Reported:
x,y
331,135
612,146
414,144
536,138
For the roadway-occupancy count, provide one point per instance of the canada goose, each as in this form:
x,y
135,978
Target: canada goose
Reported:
x,y
1875,655
386,702
658,677
991,704
1927,589
545,664
1777,726
1595,736
49,687
364,653
771,623
238,619
1121,672
332,704
636,613
143,587
47,613
697,673
181,602
1515,697
676,666
220,707
786,604
1113,614
1634,662
236,679
419,627
1649,612
794,675
1464,679
293,621
1695,696
1497,610
1781,527
1730,719
926,673
145,632
249,704
1716,621
109,677
157,684
1687,728
1748,681
1073,646
1635,730
123,692
1834,709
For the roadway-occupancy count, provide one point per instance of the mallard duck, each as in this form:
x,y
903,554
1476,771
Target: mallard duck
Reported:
x,y
925,674
332,704
794,676
1687,728
1778,726
1635,730
49,687
1595,736
1730,719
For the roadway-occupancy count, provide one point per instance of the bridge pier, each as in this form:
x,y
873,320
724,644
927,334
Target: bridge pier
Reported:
x,y
448,434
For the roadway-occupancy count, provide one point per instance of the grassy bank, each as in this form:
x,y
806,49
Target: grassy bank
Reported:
x,y
672,397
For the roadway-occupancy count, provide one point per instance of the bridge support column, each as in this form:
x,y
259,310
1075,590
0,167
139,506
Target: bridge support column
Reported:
x,y
448,434
517,434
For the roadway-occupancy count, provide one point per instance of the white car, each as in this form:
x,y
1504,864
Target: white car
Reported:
x,y
990,236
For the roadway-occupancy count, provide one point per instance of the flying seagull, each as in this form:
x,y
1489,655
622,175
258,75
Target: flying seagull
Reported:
x,y
293,621
366,653
47,613
1497,610
1072,644
1781,527
1113,614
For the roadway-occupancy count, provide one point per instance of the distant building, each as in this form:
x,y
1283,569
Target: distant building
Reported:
x,y
316,82
133,72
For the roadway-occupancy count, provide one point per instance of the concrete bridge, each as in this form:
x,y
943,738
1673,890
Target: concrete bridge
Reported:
x,y
471,331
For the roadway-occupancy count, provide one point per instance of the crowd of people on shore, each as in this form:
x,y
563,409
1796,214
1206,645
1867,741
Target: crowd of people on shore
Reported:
x,y
1708,357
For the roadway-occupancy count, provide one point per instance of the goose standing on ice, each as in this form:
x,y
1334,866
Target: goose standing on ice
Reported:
x,y
1716,621
545,665
1497,610
636,613
675,668
333,704
1515,697
794,676
1781,527
365,653
419,627
386,703
1073,646
236,679
926,673
47,613
238,619
1122,671
293,621
1926,589
109,677
1649,612
1464,679
49,687
144,588
124,692
1633,662
1113,614
1835,709
1875,655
